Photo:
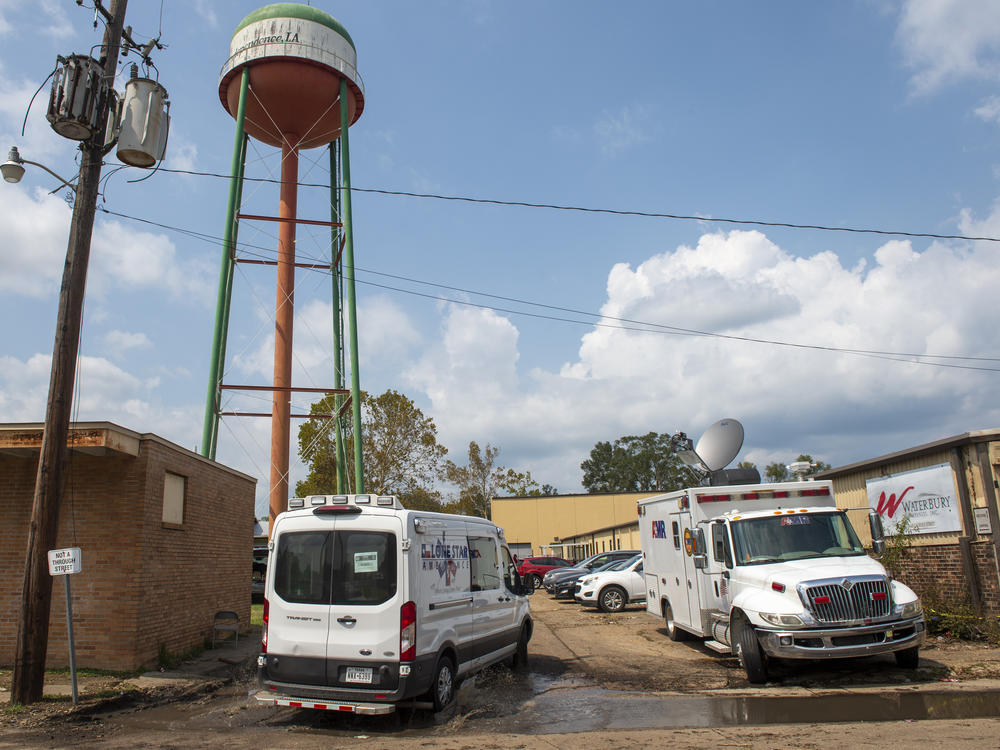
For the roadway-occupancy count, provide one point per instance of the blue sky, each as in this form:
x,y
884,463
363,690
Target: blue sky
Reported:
x,y
865,113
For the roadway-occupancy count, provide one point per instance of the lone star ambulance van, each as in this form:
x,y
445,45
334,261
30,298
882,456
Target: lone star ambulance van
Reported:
x,y
772,571
368,604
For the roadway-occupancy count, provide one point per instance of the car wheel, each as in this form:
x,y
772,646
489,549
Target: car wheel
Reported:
x,y
519,659
674,633
751,655
612,599
908,658
536,581
443,686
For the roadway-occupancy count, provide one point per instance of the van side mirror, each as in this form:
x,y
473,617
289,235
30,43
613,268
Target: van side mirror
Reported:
x,y
878,533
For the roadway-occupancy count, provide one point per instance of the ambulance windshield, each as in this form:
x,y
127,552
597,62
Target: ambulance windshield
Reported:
x,y
793,537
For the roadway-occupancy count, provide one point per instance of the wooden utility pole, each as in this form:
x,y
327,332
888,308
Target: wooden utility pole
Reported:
x,y
36,596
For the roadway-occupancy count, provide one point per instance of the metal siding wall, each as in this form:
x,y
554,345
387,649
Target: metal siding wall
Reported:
x,y
852,495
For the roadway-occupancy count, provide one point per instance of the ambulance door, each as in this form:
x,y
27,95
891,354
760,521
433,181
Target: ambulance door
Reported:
x,y
683,583
714,584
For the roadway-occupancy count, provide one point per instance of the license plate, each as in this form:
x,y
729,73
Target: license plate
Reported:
x,y
358,674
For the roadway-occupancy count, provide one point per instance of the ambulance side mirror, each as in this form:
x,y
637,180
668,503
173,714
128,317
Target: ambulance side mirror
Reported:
x,y
878,533
700,554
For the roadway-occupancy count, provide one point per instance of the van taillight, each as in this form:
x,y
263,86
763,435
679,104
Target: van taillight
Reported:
x,y
263,632
408,632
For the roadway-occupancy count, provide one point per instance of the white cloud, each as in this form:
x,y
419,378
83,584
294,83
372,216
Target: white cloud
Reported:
x,y
791,399
36,228
206,11
950,40
121,341
989,110
621,131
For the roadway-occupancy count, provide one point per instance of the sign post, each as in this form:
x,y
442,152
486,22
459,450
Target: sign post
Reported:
x,y
65,562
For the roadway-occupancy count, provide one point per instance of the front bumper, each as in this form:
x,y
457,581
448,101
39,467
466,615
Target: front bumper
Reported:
x,y
839,643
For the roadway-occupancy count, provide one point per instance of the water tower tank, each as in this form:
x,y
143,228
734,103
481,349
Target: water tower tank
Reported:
x,y
297,56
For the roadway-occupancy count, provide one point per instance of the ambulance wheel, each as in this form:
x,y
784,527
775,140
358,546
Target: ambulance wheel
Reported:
x,y
751,654
612,599
443,686
908,658
674,633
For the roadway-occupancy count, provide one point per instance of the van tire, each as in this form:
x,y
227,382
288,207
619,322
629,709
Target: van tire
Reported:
x,y
612,599
751,654
443,687
908,658
674,633
519,659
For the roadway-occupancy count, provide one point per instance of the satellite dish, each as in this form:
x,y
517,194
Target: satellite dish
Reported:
x,y
720,444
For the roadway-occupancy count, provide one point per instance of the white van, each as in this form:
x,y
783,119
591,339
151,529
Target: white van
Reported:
x,y
368,604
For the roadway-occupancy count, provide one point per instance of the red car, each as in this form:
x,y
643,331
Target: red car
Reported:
x,y
533,568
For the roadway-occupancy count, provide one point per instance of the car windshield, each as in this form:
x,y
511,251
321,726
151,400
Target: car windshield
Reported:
x,y
616,565
793,537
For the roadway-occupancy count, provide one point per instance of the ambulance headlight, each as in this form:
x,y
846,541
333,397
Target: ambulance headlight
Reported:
x,y
782,621
910,609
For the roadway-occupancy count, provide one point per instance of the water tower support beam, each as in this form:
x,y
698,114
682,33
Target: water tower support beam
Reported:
x,y
284,316
211,424
352,313
336,279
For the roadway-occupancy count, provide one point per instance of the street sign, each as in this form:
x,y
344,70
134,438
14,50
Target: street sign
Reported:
x,y
63,562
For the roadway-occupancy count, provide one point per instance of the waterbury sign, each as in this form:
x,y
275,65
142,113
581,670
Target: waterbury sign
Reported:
x,y
926,497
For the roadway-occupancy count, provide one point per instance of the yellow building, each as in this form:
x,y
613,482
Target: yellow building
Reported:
x,y
570,526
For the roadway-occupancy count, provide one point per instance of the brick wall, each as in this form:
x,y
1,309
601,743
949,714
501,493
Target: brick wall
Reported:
x,y
143,584
937,570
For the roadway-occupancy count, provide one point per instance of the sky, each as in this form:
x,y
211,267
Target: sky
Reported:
x,y
544,331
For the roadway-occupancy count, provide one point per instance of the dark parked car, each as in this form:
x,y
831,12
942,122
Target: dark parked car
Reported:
x,y
560,583
259,571
533,568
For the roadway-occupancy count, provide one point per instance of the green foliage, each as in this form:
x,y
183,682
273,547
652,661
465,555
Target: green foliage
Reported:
x,y
399,448
480,480
897,548
779,472
634,463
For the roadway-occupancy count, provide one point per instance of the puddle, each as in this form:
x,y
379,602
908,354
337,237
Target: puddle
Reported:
x,y
590,709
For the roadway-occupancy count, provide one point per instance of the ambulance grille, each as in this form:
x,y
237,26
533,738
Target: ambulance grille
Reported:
x,y
848,599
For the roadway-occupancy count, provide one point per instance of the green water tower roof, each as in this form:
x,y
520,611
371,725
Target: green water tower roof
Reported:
x,y
296,10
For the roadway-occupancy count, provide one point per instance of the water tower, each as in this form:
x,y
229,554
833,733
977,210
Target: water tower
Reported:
x,y
291,82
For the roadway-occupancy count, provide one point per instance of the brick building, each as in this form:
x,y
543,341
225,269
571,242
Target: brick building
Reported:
x,y
166,538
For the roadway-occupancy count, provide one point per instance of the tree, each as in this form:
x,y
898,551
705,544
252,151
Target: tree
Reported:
x,y
634,464
400,452
480,480
779,472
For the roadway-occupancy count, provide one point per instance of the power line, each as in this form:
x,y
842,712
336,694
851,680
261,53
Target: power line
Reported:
x,y
632,325
612,211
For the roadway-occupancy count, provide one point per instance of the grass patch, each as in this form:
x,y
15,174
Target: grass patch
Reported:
x,y
257,614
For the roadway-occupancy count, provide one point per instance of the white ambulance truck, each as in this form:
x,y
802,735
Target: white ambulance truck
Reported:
x,y
772,571
368,604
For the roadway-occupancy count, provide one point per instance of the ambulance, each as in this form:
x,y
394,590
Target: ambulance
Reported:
x,y
368,605
773,571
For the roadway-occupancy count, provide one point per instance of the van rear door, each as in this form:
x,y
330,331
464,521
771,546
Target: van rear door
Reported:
x,y
368,590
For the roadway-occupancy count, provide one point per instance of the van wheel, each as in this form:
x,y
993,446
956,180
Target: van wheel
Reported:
x,y
612,599
443,687
673,632
908,658
519,659
751,655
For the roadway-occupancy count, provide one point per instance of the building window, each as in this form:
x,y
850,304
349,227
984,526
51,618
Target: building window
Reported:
x,y
174,486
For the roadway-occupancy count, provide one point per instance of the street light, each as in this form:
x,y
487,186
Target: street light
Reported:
x,y
13,169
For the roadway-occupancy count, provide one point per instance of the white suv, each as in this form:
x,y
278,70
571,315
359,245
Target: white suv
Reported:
x,y
615,588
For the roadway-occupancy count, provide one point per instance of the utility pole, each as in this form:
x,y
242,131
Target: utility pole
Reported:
x,y
36,596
